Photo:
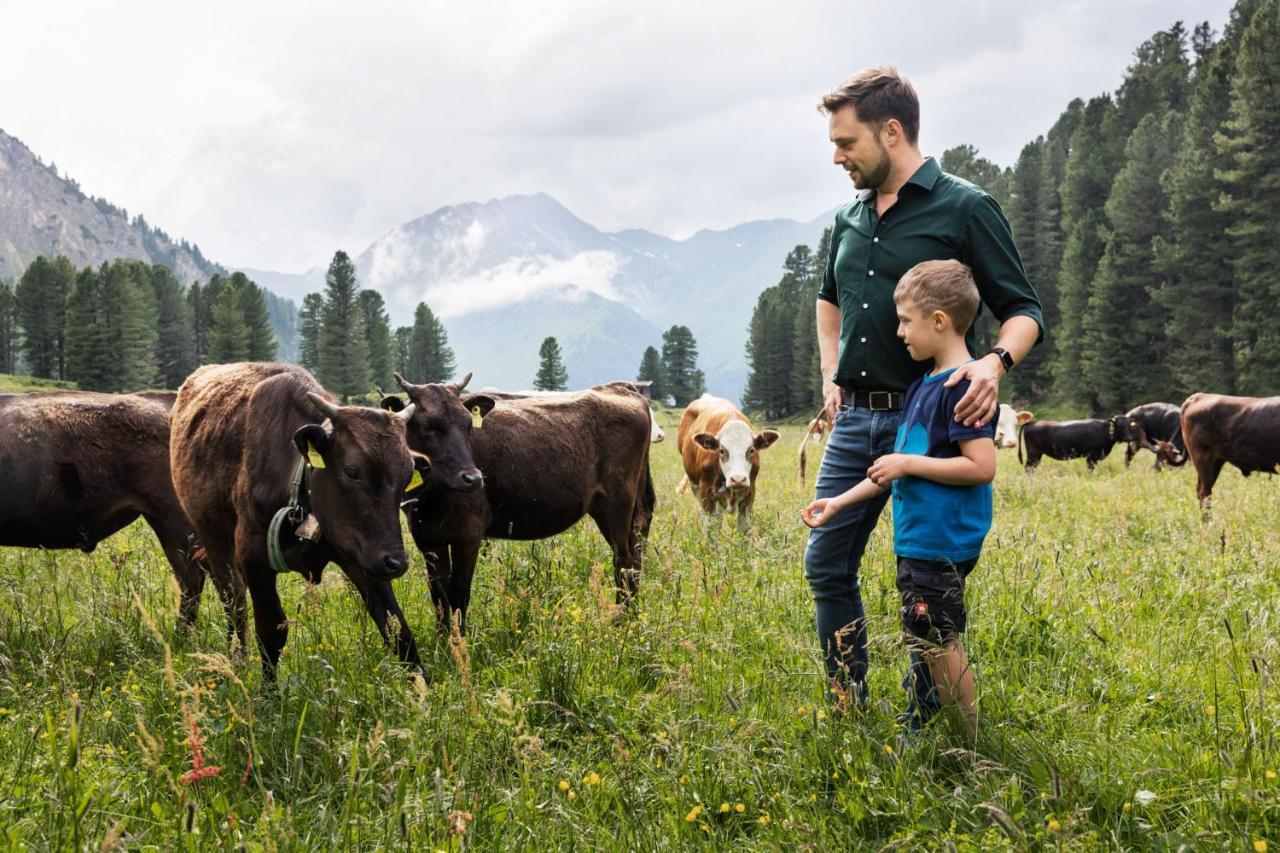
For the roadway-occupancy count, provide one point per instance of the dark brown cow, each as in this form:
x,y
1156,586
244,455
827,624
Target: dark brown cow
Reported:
x,y
1091,438
548,460
239,431
1144,426
1218,429
79,466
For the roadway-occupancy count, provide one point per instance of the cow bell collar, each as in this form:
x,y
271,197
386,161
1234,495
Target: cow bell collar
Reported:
x,y
297,516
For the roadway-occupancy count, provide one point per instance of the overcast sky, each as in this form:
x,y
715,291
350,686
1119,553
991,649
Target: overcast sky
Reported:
x,y
272,133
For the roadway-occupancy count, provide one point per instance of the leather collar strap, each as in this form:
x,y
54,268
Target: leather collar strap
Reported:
x,y
293,514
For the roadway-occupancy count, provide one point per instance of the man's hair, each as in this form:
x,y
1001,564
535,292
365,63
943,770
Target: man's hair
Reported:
x,y
877,95
945,286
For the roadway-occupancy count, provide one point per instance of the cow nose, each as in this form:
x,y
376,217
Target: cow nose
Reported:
x,y
395,566
472,480
738,480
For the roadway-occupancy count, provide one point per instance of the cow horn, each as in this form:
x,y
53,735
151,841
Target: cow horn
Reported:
x,y
407,412
400,380
462,384
329,410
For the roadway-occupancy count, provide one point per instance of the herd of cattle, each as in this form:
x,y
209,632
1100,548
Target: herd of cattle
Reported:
x,y
253,470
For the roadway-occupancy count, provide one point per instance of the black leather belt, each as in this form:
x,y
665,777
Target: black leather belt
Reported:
x,y
876,401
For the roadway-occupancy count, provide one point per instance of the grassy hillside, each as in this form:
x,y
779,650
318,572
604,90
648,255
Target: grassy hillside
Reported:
x,y
1124,652
10,384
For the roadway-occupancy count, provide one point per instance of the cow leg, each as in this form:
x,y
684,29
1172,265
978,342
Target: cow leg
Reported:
x,y
439,572
1206,475
231,589
186,571
269,621
744,513
380,601
1130,451
615,525
464,556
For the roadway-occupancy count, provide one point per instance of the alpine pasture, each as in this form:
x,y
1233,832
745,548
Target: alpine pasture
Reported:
x,y
1124,650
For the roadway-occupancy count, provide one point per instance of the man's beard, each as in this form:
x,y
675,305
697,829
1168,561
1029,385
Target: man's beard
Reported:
x,y
878,174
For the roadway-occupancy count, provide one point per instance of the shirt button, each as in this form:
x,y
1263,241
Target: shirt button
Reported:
x,y
875,239
871,272
864,340
864,373
864,305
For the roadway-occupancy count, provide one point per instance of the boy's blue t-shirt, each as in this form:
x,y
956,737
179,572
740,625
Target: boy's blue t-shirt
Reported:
x,y
932,521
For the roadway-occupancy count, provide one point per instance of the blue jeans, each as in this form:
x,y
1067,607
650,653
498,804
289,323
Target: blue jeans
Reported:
x,y
834,554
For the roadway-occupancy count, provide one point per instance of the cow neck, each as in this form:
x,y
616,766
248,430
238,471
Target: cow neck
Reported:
x,y
293,514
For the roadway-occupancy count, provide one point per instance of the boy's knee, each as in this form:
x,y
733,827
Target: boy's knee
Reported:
x,y
932,602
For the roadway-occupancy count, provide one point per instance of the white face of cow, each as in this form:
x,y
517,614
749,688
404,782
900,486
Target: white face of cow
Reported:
x,y
738,450
1007,427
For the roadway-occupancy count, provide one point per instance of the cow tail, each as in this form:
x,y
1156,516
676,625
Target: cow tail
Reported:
x,y
650,496
804,448
1021,427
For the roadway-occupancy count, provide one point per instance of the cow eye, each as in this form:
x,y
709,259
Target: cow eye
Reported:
x,y
351,472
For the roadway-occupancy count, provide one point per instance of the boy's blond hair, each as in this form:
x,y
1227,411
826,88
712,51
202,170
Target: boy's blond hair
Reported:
x,y
945,286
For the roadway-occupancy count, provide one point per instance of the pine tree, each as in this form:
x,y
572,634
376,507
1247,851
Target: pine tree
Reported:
x,y
175,334
111,329
430,357
1124,328
197,303
227,338
41,297
651,371
8,328
377,337
404,340
1157,81
309,331
680,365
964,162
260,336
551,373
1251,141
343,353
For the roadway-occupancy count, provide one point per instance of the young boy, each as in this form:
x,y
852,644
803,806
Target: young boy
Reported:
x,y
941,474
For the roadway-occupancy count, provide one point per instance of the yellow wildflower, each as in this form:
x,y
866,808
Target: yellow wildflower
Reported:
x,y
564,785
1260,846
693,813
888,750
763,820
1128,807
592,778
1270,774
572,794
740,808
822,715
724,808
1054,826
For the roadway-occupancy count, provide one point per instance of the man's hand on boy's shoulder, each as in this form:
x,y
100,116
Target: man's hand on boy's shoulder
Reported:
x,y
890,467
978,405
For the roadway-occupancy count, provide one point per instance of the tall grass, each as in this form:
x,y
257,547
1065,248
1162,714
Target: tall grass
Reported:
x,y
1124,651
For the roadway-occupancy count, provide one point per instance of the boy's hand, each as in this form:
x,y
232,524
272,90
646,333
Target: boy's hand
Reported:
x,y
890,467
819,512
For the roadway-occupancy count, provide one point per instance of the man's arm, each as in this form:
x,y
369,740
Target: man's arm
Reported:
x,y
829,355
975,465
977,407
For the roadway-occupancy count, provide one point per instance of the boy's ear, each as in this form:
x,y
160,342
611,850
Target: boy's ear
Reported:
x,y
939,319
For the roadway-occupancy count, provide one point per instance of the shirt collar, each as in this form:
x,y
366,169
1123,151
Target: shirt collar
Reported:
x,y
927,175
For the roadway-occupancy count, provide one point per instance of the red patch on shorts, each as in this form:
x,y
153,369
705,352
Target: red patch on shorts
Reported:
x,y
920,609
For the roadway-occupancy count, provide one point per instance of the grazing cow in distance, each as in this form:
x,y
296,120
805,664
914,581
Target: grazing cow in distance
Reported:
x,y
548,459
1142,426
1091,439
1007,422
241,435
721,454
1217,429
79,466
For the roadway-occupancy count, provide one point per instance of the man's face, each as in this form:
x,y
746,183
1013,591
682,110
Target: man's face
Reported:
x,y
859,150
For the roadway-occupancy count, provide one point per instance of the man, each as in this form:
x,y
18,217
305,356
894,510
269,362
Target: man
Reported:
x,y
906,210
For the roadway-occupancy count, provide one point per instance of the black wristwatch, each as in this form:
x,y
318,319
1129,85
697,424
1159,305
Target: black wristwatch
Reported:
x,y
1005,358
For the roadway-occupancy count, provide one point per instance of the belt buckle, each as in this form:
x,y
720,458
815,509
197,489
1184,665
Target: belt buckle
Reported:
x,y
887,396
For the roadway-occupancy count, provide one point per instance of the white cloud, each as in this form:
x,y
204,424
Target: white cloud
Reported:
x,y
522,279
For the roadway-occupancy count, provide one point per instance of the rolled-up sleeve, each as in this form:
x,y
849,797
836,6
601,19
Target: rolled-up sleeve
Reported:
x,y
828,290
997,267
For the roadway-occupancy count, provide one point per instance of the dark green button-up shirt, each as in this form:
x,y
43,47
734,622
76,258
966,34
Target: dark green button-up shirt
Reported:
x,y
936,217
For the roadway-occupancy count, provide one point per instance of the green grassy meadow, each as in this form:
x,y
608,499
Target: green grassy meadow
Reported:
x,y
1125,651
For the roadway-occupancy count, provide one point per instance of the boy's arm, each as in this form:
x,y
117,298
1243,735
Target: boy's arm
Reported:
x,y
975,465
823,510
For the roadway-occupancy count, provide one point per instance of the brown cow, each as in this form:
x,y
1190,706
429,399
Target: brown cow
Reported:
x,y
1217,429
548,460
239,434
79,466
721,454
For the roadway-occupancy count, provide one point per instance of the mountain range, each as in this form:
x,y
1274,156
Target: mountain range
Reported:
x,y
502,275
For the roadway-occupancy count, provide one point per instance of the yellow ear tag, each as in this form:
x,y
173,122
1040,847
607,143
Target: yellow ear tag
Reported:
x,y
415,482
314,457
477,419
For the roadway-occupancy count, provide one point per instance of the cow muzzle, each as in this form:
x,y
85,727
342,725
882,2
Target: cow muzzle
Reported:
x,y
393,566
468,481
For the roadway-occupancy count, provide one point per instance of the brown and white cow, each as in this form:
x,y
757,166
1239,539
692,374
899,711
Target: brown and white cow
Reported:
x,y
1218,429
721,453
1007,423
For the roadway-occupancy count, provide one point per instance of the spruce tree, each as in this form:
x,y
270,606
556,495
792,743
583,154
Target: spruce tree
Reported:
x,y
651,371
261,337
8,328
309,331
41,296
343,353
430,356
1024,211
227,338
199,310
403,341
377,337
111,329
680,365
1251,141
175,334
964,162
1123,356
551,374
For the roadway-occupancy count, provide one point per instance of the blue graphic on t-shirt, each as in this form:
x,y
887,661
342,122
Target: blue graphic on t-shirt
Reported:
x,y
932,521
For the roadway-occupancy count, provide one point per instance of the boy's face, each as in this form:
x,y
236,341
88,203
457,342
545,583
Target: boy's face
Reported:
x,y
922,333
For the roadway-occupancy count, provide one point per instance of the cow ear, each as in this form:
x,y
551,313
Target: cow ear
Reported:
x,y
392,403
482,402
707,441
313,443
1025,417
766,438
